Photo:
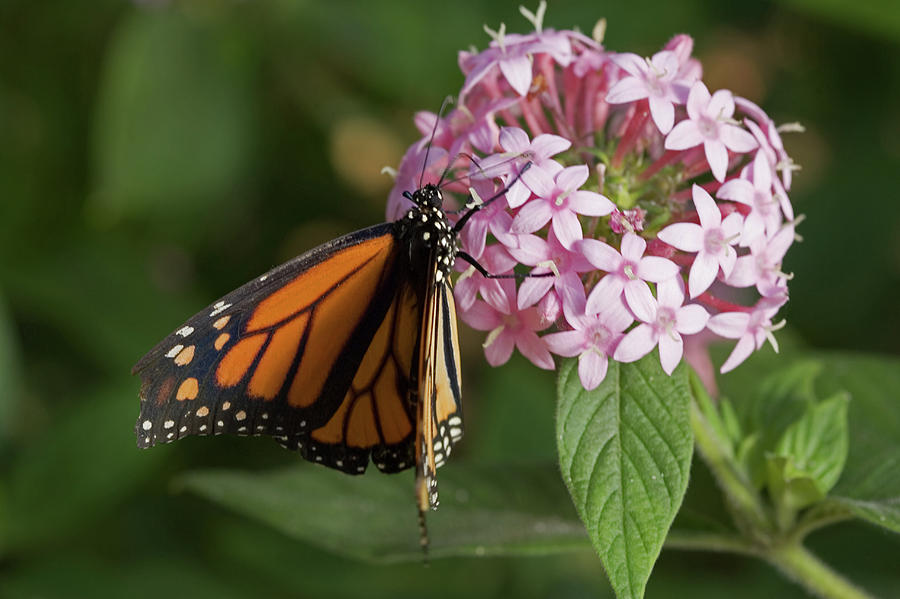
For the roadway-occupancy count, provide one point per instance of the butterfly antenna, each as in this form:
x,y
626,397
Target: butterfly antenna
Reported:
x,y
448,100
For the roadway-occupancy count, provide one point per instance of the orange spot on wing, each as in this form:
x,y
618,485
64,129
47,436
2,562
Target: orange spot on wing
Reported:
x,y
238,360
332,323
268,378
312,284
221,340
219,324
185,356
188,389
445,403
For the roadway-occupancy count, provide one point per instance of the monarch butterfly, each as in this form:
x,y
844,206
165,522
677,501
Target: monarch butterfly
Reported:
x,y
346,353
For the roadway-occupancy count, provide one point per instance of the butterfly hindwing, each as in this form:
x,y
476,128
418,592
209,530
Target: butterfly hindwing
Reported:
x,y
281,355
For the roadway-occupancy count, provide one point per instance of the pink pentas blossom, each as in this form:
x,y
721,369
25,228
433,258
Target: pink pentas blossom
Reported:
x,y
559,199
710,123
664,320
755,191
762,266
711,240
655,79
593,337
548,256
751,329
598,168
626,272
537,152
509,328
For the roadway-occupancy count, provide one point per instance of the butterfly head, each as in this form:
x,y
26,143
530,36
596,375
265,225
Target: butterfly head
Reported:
x,y
427,196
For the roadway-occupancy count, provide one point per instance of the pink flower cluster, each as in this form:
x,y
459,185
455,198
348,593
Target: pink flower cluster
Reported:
x,y
660,209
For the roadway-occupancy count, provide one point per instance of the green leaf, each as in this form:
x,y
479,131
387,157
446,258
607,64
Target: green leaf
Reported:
x,y
817,443
625,452
173,119
484,510
869,485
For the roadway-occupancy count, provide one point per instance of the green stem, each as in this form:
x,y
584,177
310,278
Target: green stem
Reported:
x,y
798,564
733,482
708,541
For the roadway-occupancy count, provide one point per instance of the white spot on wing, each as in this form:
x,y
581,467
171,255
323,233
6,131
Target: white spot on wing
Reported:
x,y
147,425
175,350
185,331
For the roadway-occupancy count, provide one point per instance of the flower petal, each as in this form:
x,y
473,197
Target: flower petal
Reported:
x,y
605,293
721,105
532,290
731,325
707,210
531,217
567,228
687,237
741,351
737,139
590,203
566,343
481,317
656,269
633,247
592,369
601,255
498,348
703,273
636,344
534,348
572,177
684,135
691,319
671,348
717,157
641,300
663,113
670,293
517,71
628,89
698,100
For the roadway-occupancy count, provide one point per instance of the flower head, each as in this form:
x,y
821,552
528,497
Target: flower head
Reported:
x,y
626,180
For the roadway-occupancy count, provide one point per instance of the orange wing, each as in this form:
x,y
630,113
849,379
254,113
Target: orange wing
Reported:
x,y
315,353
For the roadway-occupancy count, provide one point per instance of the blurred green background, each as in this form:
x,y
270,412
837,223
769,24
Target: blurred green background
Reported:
x,y
154,156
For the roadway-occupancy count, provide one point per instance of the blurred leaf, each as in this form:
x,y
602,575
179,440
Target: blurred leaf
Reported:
x,y
869,485
82,466
173,118
876,16
485,510
625,451
10,375
768,407
814,448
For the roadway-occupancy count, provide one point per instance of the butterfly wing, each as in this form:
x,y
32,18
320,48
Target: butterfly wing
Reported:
x,y
293,354
439,399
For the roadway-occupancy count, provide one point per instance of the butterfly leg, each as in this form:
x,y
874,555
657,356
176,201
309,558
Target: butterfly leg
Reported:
x,y
488,275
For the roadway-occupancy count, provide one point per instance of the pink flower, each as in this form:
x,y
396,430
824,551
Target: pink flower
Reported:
x,y
494,218
751,329
765,216
512,55
509,328
665,321
548,256
656,79
709,123
593,338
762,266
538,151
711,240
559,199
626,272
496,260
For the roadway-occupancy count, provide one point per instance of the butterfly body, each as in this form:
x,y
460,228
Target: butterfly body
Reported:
x,y
346,354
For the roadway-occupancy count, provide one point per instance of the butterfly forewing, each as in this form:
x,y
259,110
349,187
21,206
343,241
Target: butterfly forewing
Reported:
x,y
278,356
